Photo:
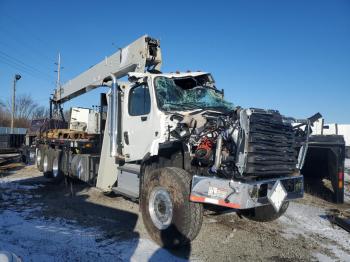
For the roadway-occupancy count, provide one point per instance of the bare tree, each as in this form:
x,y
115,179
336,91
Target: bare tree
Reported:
x,y
25,106
5,117
40,112
25,110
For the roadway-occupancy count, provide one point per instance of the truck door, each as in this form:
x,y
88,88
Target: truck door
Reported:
x,y
138,131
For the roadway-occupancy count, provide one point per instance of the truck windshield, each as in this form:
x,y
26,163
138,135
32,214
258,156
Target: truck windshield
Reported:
x,y
171,97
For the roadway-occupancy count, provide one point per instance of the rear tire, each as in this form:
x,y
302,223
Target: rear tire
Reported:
x,y
264,213
57,174
169,217
39,159
47,162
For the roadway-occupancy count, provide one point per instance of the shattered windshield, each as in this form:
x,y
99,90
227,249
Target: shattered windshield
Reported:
x,y
170,97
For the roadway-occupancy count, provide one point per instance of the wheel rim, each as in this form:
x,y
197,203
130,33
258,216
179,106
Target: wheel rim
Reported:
x,y
160,208
46,163
80,169
31,156
55,168
38,158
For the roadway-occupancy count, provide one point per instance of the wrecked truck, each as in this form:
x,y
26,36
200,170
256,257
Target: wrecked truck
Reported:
x,y
173,143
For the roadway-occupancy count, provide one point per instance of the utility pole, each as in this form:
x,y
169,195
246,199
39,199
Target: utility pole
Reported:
x,y
58,82
16,78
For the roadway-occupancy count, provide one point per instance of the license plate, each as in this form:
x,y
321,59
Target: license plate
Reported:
x,y
277,195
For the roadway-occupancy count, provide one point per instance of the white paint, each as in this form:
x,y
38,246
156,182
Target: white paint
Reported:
x,y
80,117
211,201
124,56
277,196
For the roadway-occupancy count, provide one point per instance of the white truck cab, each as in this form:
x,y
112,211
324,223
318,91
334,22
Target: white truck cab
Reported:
x,y
173,142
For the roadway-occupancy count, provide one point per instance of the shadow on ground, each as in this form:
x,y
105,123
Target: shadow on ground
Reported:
x,y
76,201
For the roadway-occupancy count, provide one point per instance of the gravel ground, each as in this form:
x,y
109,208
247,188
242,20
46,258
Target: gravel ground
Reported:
x,y
40,221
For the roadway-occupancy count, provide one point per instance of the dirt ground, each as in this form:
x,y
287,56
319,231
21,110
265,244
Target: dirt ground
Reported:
x,y
40,221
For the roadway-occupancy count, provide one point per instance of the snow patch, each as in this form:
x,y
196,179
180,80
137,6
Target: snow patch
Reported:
x,y
37,239
347,164
347,181
312,222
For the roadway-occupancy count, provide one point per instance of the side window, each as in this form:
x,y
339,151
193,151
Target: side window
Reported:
x,y
139,101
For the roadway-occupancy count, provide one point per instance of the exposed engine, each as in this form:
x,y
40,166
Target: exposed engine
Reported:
x,y
243,143
204,150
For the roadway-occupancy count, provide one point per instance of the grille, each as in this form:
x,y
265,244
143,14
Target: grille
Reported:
x,y
270,146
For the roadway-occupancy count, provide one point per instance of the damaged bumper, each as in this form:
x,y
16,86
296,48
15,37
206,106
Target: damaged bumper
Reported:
x,y
244,195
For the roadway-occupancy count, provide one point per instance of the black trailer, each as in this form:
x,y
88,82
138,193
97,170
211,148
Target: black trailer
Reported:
x,y
11,143
324,167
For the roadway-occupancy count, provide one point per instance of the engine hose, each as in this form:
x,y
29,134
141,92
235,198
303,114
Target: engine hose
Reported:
x,y
217,162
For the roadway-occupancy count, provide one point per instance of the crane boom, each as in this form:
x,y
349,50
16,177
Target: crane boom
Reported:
x,y
141,55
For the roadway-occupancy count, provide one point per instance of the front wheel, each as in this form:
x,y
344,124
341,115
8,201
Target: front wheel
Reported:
x,y
169,217
264,213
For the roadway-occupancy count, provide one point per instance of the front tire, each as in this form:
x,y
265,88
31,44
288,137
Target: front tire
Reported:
x,y
264,213
169,217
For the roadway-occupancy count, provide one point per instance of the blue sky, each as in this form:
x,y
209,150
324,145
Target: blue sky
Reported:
x,y
293,56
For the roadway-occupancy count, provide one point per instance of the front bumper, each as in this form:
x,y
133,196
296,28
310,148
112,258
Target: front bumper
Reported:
x,y
242,195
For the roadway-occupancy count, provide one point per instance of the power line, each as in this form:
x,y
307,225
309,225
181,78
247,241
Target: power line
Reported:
x,y
22,69
25,44
15,65
26,72
25,65
33,34
22,53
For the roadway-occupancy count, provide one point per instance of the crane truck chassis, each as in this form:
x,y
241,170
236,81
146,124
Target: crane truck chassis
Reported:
x,y
173,143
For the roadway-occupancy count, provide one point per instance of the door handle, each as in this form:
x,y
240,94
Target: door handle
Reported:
x,y
143,118
126,138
